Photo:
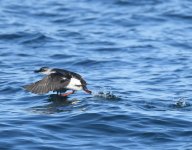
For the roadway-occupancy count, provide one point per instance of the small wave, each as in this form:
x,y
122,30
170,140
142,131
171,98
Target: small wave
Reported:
x,y
89,62
61,56
132,2
25,37
34,38
11,36
9,89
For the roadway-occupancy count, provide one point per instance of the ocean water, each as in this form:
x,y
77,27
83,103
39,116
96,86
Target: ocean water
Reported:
x,y
135,55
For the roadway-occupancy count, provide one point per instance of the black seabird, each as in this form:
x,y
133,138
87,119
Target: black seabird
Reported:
x,y
58,80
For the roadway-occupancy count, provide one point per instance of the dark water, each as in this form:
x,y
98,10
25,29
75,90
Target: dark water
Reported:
x,y
135,55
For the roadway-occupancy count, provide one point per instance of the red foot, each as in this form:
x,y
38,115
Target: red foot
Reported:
x,y
68,93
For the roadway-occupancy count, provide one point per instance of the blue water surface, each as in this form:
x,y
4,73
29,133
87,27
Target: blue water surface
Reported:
x,y
136,56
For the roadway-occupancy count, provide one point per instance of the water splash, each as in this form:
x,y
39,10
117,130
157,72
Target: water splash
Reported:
x,y
181,103
105,93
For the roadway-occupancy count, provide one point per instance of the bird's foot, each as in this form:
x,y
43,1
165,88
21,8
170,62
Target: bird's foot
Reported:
x,y
68,93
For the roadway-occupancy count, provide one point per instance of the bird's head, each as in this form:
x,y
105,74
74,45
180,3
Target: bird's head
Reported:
x,y
44,70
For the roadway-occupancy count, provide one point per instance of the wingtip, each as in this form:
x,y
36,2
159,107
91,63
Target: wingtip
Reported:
x,y
24,86
34,89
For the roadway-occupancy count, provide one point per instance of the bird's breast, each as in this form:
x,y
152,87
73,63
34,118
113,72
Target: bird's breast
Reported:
x,y
74,84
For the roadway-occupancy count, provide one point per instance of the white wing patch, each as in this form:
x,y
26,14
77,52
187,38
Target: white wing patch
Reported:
x,y
74,84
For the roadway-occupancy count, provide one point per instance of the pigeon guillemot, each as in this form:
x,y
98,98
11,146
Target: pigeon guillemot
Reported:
x,y
58,80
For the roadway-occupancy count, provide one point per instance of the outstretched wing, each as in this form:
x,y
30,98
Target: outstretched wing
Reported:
x,y
51,82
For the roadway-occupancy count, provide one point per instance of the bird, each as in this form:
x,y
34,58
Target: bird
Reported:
x,y
58,80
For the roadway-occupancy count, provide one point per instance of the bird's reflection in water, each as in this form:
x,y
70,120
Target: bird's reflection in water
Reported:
x,y
56,104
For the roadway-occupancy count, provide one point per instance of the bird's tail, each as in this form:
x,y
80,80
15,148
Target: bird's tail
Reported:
x,y
86,90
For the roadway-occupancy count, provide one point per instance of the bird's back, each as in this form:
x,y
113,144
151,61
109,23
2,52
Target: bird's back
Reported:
x,y
70,74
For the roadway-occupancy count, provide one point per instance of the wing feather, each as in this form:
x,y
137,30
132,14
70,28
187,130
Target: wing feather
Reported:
x,y
51,82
